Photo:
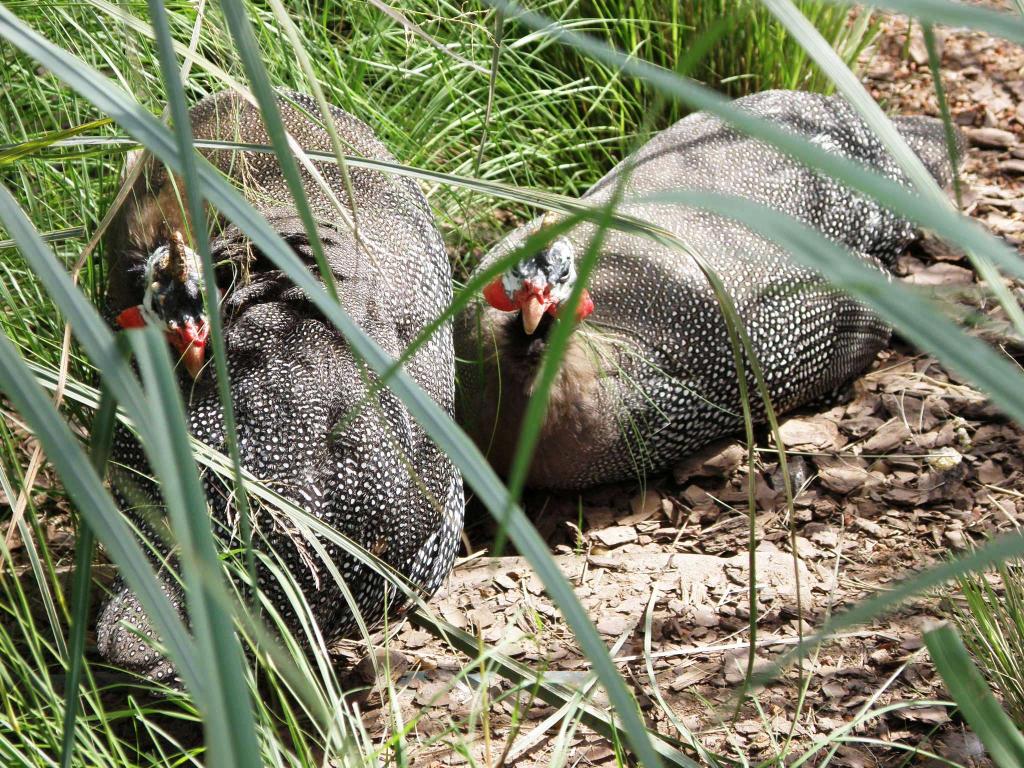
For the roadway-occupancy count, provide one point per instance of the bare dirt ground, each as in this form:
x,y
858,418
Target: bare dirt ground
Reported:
x,y
915,467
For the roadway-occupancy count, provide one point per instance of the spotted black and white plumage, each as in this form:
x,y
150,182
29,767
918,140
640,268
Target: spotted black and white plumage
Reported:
x,y
649,376
308,424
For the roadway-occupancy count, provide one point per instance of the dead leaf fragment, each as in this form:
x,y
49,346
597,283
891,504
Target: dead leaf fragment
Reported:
x,y
819,434
942,273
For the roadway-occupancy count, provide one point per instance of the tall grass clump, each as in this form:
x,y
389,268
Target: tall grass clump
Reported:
x,y
989,615
498,111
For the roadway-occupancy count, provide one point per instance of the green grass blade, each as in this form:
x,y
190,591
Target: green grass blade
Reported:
x,y
957,229
70,233
1009,26
1004,742
856,94
935,66
183,135
10,153
248,52
95,504
101,438
227,714
558,343
435,422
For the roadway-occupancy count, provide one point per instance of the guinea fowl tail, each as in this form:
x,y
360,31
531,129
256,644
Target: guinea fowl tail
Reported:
x,y
927,137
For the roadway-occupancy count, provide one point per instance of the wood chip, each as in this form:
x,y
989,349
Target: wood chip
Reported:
x,y
942,273
815,433
616,535
887,438
991,138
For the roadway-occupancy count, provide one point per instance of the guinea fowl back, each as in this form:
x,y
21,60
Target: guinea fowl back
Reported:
x,y
309,422
651,375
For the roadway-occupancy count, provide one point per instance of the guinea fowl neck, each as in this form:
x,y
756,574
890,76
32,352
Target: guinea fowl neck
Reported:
x,y
531,345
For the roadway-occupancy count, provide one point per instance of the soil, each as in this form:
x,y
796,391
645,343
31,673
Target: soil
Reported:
x,y
916,465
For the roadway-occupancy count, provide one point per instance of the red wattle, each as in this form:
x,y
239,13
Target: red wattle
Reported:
x,y
586,305
496,296
131,318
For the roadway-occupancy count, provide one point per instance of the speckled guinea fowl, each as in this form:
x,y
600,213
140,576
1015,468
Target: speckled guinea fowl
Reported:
x,y
649,375
306,426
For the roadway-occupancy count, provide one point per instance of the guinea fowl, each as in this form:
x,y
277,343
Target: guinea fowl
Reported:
x,y
649,376
311,423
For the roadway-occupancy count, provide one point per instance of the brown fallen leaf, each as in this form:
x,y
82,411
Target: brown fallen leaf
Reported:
x,y
842,475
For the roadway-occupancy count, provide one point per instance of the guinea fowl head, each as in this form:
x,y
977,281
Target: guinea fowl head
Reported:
x,y
174,301
539,284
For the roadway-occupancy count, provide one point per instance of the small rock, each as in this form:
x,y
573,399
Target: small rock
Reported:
x,y
991,138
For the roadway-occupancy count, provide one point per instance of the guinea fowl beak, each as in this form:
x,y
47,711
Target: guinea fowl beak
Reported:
x,y
533,310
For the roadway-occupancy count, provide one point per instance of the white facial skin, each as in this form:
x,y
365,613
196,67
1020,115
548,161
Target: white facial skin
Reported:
x,y
167,298
553,269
